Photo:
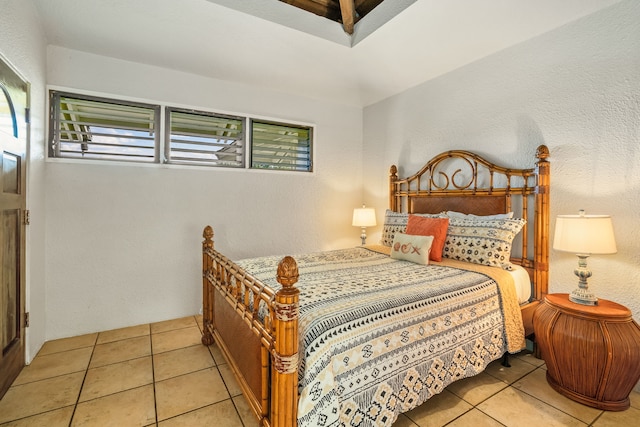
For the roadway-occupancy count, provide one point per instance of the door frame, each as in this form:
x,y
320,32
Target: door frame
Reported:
x,y
15,356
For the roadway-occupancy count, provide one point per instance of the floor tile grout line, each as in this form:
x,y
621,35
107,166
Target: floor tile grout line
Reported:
x,y
596,419
118,362
477,409
233,402
486,398
153,375
227,388
47,378
60,351
84,378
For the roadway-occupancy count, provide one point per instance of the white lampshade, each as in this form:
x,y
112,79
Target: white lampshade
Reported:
x,y
364,217
584,234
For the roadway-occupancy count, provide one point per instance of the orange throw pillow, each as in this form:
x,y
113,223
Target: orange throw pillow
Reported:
x,y
436,227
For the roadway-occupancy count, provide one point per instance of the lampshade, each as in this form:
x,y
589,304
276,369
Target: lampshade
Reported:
x,y
364,217
584,234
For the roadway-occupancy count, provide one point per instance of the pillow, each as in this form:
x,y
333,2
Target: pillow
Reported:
x,y
454,214
436,227
486,242
411,248
396,222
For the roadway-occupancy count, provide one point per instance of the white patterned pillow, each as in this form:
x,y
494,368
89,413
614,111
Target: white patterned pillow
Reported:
x,y
486,242
396,222
412,248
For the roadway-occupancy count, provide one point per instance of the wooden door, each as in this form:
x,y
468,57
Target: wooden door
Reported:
x,y
13,146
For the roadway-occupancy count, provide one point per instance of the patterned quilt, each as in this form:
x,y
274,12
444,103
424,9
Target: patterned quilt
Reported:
x,y
379,336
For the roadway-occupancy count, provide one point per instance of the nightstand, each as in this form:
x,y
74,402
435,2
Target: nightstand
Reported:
x,y
592,353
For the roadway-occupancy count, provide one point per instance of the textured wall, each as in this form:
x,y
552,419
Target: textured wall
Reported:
x,y
575,89
123,240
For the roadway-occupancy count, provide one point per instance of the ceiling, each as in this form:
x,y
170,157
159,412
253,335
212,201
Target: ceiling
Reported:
x,y
272,45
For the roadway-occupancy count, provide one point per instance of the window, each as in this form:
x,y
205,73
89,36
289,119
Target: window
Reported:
x,y
97,128
89,127
8,122
280,146
197,137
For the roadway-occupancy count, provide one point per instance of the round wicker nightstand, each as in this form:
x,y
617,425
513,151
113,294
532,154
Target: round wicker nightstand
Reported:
x,y
592,352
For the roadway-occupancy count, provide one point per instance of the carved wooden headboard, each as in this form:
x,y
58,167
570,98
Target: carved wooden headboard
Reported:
x,y
465,182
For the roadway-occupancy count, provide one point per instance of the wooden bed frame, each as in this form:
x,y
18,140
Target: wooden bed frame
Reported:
x,y
263,353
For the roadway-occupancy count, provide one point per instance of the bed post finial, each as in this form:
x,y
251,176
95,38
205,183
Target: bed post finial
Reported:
x,y
542,152
207,234
284,372
288,272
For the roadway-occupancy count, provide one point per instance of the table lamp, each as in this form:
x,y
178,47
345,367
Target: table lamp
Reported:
x,y
364,217
584,235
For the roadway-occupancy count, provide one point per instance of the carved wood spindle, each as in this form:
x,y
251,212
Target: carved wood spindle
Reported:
x,y
207,288
541,255
284,373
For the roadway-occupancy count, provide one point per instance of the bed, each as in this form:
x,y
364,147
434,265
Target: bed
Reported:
x,y
357,336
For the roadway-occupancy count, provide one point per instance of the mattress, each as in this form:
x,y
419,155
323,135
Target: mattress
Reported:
x,y
522,283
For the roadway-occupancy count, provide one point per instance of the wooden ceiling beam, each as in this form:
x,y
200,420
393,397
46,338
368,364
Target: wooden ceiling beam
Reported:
x,y
348,10
315,7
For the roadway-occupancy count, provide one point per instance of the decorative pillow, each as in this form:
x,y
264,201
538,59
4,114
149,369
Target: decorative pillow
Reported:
x,y
454,214
396,222
436,227
486,242
411,248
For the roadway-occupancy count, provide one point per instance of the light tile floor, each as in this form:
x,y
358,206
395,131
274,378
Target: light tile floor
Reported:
x,y
160,375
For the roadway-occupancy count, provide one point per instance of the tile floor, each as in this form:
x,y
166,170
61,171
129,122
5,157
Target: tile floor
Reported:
x,y
160,375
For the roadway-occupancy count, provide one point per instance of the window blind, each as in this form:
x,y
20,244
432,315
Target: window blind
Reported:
x,y
97,128
280,146
204,138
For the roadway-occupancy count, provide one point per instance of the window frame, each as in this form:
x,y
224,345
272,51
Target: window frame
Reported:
x,y
162,127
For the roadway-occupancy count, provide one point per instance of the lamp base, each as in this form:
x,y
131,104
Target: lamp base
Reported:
x,y
583,296
363,236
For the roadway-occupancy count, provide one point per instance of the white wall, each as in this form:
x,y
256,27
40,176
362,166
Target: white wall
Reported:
x,y
575,89
123,241
22,45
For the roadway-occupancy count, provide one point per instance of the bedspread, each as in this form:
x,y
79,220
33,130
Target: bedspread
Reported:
x,y
380,336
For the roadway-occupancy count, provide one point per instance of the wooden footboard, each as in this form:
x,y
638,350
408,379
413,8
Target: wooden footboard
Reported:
x,y
261,347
